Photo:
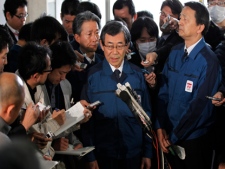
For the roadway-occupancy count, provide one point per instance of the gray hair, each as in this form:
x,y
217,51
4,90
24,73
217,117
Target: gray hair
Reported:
x,y
83,17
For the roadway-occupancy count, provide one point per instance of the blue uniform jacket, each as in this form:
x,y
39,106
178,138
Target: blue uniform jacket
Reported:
x,y
113,129
188,114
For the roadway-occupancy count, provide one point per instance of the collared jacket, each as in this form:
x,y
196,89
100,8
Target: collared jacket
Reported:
x,y
113,129
78,79
183,109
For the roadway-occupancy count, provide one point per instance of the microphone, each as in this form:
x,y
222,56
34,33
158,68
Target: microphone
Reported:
x,y
126,98
124,94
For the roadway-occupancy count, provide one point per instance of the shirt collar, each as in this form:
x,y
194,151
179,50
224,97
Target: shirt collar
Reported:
x,y
120,68
13,30
190,48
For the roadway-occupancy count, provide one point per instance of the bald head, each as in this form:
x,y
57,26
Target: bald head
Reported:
x,y
11,93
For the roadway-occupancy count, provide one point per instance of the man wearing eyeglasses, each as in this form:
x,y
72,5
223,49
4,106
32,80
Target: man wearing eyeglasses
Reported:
x,y
15,14
119,140
169,9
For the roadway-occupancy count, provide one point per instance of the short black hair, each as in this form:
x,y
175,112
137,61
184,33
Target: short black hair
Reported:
x,y
32,59
141,23
83,17
113,28
175,6
89,6
62,54
12,5
119,4
145,13
5,38
25,32
47,27
201,14
69,7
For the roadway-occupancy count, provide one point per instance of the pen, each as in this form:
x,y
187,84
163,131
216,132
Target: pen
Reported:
x,y
132,53
72,102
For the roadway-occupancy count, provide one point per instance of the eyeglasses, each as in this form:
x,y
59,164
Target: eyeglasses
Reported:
x,y
21,16
111,47
216,3
163,14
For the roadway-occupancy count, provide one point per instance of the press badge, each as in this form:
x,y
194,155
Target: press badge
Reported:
x,y
189,86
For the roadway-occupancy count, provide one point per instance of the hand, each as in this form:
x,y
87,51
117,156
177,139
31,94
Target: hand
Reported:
x,y
84,103
173,23
30,116
47,157
146,163
163,140
128,51
39,139
77,68
78,146
92,165
150,58
150,79
218,95
80,57
87,115
59,116
42,114
221,166
61,144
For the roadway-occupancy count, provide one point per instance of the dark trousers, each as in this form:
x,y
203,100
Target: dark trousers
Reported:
x,y
105,162
219,137
198,154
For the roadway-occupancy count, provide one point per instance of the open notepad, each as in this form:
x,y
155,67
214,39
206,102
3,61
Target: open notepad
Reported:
x,y
73,116
45,164
79,152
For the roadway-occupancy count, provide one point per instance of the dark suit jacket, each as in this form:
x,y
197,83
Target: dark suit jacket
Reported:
x,y
78,79
214,36
164,49
14,40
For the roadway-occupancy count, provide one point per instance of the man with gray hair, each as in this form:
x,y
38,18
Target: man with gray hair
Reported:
x,y
118,138
86,27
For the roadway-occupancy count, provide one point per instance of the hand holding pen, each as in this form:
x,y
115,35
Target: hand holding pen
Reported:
x,y
43,114
39,139
30,116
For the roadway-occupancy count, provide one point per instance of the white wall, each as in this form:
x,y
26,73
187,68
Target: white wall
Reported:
x,y
2,18
38,7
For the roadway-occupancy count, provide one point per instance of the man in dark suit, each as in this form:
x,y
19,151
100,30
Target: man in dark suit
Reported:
x,y
86,28
15,15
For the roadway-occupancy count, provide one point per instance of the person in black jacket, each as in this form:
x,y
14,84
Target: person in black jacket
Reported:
x,y
169,37
15,15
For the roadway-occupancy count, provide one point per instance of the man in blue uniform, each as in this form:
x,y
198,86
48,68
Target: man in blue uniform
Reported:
x,y
185,115
119,140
